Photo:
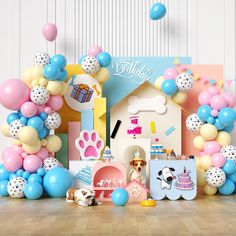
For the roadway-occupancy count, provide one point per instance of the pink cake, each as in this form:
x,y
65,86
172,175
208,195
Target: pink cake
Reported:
x,y
134,127
184,181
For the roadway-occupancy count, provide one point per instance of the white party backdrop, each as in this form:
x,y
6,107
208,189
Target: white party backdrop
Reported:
x,y
202,29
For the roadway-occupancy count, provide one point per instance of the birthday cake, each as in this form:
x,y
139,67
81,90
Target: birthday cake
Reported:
x,y
85,175
156,149
184,181
134,127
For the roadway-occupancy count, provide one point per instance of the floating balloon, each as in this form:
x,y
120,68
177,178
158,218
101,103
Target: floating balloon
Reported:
x,y
49,31
157,11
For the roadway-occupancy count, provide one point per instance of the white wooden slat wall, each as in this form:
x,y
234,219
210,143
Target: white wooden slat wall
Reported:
x,y
204,30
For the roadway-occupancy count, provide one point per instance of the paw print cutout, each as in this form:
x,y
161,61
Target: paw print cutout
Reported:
x,y
90,145
135,191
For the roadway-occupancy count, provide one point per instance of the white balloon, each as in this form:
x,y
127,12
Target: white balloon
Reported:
x,y
90,65
229,152
39,95
41,59
50,163
53,121
14,128
215,176
15,187
184,81
193,123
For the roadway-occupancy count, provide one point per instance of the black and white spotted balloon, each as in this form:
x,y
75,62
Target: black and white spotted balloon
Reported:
x,y
229,152
14,128
90,65
53,121
193,123
50,163
184,81
39,95
41,59
15,187
215,177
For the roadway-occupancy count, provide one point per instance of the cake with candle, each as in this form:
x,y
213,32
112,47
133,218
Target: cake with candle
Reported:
x,y
184,181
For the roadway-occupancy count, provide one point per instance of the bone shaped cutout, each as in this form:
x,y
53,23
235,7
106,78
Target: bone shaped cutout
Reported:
x,y
156,104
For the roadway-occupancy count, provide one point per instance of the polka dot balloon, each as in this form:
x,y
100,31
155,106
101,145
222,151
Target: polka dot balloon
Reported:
x,y
215,176
15,187
229,152
193,123
50,163
90,65
14,128
41,59
53,121
39,95
184,81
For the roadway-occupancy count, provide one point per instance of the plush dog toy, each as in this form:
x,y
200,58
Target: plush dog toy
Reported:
x,y
83,197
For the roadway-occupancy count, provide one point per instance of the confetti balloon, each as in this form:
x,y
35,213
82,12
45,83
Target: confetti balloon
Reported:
x,y
229,152
53,121
41,59
215,177
39,95
193,123
184,81
14,128
90,65
50,163
16,187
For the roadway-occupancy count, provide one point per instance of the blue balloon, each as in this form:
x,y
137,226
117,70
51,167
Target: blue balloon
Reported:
x,y
232,177
82,58
59,60
35,178
62,76
26,175
57,181
157,11
218,124
19,173
41,171
204,112
227,116
229,129
36,122
33,190
12,176
23,120
227,188
211,120
4,174
229,167
42,133
12,116
120,196
104,59
169,87
3,188
43,115
51,71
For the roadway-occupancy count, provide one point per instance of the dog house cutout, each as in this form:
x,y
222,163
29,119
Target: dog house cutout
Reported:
x,y
107,176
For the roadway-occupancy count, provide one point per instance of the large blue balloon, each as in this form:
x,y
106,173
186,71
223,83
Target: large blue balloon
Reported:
x,y
204,112
51,71
157,11
3,188
36,122
232,177
35,178
229,167
33,190
169,87
120,197
12,116
104,59
57,181
59,60
4,174
227,116
227,188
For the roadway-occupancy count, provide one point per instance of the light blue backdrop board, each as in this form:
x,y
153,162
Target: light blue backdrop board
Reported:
x,y
127,73
87,120
160,188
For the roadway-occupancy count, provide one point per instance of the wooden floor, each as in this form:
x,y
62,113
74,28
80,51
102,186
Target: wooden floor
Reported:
x,y
204,216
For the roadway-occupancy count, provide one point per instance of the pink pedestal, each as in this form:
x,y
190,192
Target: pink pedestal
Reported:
x,y
74,133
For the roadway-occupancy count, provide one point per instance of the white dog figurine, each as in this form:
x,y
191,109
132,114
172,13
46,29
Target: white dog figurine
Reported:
x,y
83,197
167,177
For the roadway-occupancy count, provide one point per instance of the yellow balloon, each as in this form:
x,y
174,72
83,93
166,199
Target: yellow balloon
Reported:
x,y
44,142
102,75
32,148
159,81
28,135
201,177
198,142
54,87
223,138
209,190
63,88
205,162
35,83
5,130
15,141
27,76
43,82
180,97
37,72
208,132
53,143
197,159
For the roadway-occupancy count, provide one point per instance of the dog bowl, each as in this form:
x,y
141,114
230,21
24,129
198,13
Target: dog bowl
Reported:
x,y
148,203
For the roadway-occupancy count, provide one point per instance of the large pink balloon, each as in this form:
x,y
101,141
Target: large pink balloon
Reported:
x,y
49,31
32,163
218,102
170,73
230,98
11,160
43,153
94,51
55,102
218,160
204,98
28,109
13,93
211,147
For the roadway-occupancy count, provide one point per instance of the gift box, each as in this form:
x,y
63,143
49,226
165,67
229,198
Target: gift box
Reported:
x,y
82,93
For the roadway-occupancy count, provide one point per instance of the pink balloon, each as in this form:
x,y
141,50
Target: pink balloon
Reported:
x,y
214,113
204,98
43,153
55,102
28,109
12,161
40,108
170,73
48,110
94,51
218,102
32,163
211,147
49,31
214,90
18,149
230,98
218,160
13,93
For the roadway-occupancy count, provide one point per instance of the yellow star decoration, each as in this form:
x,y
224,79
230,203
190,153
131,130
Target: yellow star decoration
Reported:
x,y
176,61
196,76
220,83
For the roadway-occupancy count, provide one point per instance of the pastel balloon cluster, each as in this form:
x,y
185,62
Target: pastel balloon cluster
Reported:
x,y
175,84
217,158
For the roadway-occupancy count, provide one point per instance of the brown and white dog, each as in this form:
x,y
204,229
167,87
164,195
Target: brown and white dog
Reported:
x,y
83,197
136,171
